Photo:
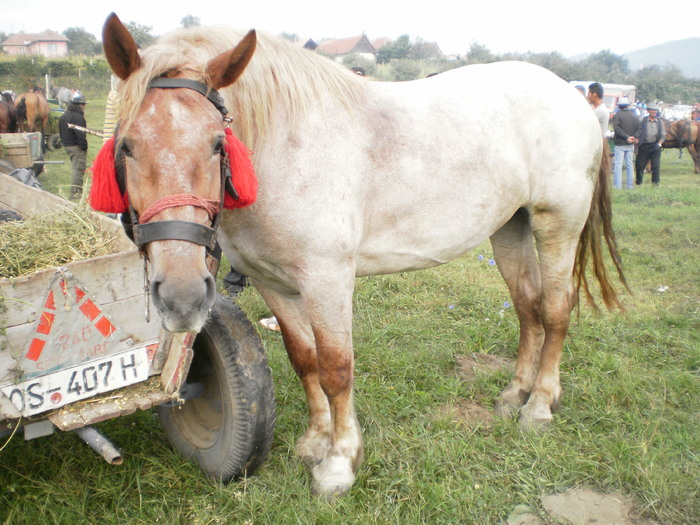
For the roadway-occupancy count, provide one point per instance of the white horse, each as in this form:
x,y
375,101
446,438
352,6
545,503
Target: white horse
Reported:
x,y
358,177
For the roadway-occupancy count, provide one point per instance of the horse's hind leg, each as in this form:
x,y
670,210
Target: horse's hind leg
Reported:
x,y
693,150
557,234
513,249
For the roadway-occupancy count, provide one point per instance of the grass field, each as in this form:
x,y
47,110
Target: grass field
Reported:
x,y
629,422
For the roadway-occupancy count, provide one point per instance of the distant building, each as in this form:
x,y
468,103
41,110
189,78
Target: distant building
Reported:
x,y
380,42
47,43
310,45
342,47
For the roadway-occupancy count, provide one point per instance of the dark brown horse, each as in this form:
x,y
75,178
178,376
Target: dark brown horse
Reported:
x,y
684,134
8,114
32,107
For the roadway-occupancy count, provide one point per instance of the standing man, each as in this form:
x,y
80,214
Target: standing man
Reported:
x,y
75,142
595,97
650,136
626,126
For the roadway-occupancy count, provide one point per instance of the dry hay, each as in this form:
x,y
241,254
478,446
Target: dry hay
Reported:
x,y
47,241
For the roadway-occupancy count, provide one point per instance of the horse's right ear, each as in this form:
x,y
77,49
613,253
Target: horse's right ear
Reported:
x,y
120,48
224,69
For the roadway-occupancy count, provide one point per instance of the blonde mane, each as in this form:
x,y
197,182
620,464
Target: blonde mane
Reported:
x,y
280,75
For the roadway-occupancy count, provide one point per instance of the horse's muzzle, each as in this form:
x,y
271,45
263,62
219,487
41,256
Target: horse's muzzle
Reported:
x,y
183,304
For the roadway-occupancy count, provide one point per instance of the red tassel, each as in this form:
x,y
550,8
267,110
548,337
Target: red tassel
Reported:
x,y
242,173
104,192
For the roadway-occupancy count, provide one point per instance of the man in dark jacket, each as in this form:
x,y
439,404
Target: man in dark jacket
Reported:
x,y
650,136
75,142
625,125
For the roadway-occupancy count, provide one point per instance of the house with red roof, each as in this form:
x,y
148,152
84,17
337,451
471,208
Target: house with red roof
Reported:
x,y
47,43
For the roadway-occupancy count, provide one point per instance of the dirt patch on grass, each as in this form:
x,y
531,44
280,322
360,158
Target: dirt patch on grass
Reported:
x,y
467,413
581,506
469,366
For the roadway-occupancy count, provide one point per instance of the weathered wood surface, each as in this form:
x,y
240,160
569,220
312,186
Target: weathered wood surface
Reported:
x,y
112,282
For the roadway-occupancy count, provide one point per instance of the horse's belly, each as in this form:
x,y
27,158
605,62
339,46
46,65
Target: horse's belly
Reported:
x,y
421,244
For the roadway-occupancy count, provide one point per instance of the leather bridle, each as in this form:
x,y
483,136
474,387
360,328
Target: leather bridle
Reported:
x,y
141,229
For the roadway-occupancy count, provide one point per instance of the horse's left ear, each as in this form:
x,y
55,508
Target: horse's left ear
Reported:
x,y
120,48
229,65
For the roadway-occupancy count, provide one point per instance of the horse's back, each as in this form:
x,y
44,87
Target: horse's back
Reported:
x,y
463,151
420,172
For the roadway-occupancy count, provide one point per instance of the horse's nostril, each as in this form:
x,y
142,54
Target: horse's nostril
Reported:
x,y
211,291
183,304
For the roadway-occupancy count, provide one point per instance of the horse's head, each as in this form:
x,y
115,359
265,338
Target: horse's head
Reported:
x,y
169,147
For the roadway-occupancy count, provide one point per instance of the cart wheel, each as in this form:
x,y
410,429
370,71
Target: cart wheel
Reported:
x,y
227,429
6,166
54,143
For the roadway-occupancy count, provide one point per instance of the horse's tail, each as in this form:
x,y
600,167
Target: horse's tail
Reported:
x,y
21,108
598,225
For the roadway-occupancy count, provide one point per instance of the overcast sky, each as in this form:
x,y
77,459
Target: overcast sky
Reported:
x,y
570,27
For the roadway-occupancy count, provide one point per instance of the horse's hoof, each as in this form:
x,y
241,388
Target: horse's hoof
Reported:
x,y
332,478
310,461
535,417
509,402
505,409
312,447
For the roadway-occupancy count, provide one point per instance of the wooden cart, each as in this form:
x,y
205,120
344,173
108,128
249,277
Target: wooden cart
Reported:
x,y
75,349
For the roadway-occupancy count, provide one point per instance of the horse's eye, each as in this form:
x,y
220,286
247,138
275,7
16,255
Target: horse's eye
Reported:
x,y
125,150
218,148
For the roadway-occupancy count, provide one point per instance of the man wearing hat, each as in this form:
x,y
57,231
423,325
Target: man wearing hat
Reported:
x,y
626,125
650,136
75,141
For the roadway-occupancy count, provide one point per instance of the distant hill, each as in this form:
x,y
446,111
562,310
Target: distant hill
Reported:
x,y
681,53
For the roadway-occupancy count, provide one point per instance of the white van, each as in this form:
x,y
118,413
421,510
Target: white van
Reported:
x,y
611,92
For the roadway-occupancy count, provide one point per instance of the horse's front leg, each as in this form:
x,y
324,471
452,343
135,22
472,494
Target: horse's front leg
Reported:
x,y
327,297
317,332
300,345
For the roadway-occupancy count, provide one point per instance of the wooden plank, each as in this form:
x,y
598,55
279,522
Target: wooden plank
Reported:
x,y
107,279
28,201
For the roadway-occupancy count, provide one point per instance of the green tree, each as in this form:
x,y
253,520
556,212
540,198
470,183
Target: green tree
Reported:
x,y
292,37
396,50
479,54
190,21
554,61
30,69
403,69
142,34
80,41
606,66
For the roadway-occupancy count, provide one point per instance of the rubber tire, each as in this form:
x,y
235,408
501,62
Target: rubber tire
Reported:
x,y
53,142
7,166
227,431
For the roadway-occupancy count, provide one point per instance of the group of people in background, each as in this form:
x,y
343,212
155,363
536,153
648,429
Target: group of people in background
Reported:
x,y
645,135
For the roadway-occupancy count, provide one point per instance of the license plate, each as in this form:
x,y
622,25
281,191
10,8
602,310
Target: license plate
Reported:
x,y
79,382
